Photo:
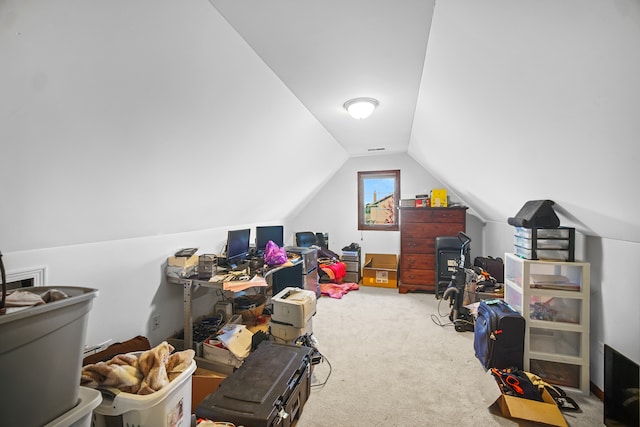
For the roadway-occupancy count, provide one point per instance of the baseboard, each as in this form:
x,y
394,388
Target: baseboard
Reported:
x,y
597,392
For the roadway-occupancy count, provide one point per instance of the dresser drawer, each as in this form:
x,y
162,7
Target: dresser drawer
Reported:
x,y
417,246
430,231
417,261
352,266
432,215
418,277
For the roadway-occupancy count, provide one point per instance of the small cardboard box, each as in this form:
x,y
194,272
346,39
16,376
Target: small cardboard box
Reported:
x,y
203,383
439,198
422,203
546,412
380,270
181,261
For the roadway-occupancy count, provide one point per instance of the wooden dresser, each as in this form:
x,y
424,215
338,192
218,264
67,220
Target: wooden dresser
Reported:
x,y
418,229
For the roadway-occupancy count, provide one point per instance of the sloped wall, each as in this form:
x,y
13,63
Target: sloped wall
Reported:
x,y
539,100
130,119
131,130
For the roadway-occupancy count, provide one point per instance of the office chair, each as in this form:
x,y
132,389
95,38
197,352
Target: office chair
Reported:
x,y
306,239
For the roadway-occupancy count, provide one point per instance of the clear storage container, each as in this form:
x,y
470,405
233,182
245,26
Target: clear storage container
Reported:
x,y
523,242
548,254
543,233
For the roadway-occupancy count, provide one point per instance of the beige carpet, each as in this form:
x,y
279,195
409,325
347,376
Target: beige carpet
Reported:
x,y
392,365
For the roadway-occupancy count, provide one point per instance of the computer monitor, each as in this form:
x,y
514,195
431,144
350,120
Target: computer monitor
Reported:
x,y
237,246
265,233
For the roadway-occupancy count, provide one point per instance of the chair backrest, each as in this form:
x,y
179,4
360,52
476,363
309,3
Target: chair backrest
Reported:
x,y
322,240
305,239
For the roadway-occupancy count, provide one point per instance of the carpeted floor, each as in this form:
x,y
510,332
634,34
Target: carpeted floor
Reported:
x,y
392,365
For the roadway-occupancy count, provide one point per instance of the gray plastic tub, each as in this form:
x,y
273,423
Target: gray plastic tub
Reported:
x,y
41,357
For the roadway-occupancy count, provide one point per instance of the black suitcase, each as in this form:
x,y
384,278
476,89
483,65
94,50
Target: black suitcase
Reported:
x,y
268,389
498,337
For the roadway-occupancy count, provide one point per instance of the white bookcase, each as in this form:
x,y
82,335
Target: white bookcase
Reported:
x,y
553,297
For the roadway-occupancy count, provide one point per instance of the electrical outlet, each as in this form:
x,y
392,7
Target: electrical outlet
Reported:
x,y
155,322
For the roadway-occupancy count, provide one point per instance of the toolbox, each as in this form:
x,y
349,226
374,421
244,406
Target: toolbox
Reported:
x,y
270,388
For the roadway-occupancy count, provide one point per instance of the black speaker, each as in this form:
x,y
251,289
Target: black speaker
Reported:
x,y
447,255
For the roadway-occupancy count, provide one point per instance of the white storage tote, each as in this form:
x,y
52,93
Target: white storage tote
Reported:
x,y
168,407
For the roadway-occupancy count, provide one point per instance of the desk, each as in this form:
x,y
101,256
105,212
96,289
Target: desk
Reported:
x,y
191,286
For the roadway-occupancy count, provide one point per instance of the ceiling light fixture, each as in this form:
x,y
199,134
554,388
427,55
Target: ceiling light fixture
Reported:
x,y
361,108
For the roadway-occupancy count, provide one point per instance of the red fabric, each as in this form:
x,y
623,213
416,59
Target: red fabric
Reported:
x,y
337,290
339,270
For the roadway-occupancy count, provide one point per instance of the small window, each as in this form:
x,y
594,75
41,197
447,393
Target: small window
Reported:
x,y
378,198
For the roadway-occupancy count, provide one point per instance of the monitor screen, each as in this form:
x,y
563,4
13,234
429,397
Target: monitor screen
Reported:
x,y
269,232
620,389
237,245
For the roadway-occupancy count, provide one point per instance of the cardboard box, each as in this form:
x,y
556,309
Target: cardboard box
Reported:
x,y
380,270
546,412
439,198
203,383
184,262
422,203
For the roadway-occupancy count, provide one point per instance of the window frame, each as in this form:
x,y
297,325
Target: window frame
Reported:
x,y
363,178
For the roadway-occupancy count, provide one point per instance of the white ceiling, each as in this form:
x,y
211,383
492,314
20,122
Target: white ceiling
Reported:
x,y
330,51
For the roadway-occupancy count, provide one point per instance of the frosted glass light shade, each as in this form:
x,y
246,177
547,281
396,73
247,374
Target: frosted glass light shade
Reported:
x,y
360,108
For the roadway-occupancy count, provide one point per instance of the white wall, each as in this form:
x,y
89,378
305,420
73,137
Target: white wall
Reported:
x,y
131,119
334,208
539,100
132,129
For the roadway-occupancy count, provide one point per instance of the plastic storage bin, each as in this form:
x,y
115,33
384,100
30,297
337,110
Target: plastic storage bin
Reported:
x,y
545,243
41,357
541,243
80,415
543,233
168,407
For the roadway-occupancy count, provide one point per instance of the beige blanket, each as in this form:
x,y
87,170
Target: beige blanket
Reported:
x,y
144,374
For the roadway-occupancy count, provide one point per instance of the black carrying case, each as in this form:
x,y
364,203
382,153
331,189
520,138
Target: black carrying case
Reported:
x,y
269,389
493,266
536,214
498,336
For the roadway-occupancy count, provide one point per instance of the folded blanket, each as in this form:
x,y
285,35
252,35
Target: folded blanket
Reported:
x,y
20,298
150,372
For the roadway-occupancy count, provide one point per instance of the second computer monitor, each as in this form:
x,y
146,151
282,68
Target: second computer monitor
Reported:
x,y
265,233
237,246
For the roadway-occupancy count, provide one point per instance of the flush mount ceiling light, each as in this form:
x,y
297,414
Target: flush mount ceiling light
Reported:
x,y
361,108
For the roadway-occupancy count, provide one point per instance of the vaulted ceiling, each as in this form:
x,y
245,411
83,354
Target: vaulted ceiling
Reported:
x,y
330,51
503,102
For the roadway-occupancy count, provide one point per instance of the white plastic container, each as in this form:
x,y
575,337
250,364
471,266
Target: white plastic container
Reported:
x,y
168,407
80,415
41,357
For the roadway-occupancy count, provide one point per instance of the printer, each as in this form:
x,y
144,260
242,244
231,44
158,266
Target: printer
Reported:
x,y
293,306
